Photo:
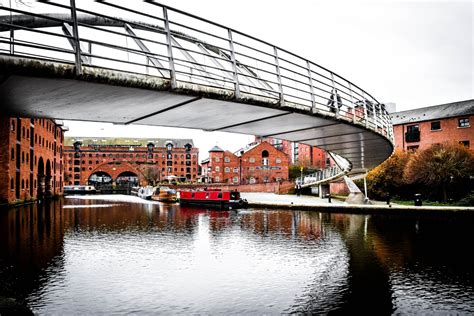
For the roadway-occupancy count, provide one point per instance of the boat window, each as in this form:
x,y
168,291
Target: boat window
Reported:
x,y
219,196
192,194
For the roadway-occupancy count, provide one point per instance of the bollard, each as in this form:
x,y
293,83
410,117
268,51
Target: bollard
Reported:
x,y
329,197
418,201
388,198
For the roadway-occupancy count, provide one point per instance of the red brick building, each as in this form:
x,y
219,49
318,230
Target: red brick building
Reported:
x,y
300,154
31,158
259,163
423,127
102,160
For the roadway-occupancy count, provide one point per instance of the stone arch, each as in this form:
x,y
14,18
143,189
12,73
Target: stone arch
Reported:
x,y
114,169
127,177
47,178
99,178
41,178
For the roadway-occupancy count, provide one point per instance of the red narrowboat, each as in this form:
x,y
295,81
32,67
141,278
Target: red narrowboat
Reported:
x,y
212,198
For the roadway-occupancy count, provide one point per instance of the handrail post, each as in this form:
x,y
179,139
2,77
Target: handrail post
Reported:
x,y
234,65
310,78
352,102
280,86
170,49
375,116
366,117
77,47
336,106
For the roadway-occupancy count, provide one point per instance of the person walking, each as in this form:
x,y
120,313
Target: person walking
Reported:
x,y
298,189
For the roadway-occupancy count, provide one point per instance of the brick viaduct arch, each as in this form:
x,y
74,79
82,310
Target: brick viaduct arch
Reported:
x,y
114,169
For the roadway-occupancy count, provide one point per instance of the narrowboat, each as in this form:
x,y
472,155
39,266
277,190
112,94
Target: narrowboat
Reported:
x,y
79,189
164,194
212,198
145,192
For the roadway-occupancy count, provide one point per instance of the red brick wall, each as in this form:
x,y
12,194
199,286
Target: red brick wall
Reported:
x,y
283,187
449,132
136,161
252,164
308,156
31,140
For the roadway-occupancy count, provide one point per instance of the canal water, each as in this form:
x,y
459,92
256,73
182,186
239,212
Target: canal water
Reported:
x,y
122,255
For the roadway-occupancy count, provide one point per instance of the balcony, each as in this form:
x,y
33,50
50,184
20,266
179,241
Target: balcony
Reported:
x,y
411,137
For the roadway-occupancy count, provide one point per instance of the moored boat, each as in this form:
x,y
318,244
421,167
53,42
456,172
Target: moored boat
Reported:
x,y
164,194
79,189
145,192
213,198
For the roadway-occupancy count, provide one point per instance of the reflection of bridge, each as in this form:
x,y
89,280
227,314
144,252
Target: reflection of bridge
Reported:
x,y
152,64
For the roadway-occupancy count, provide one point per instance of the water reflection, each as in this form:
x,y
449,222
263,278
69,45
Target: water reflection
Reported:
x,y
113,256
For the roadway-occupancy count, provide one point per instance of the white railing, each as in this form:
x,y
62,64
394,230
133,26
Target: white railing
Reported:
x,y
152,39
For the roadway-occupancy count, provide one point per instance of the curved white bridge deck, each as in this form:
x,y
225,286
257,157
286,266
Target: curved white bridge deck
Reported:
x,y
155,65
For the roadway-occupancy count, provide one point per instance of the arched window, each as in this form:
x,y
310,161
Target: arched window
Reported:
x,y
227,169
22,184
27,184
22,157
12,184
265,158
13,125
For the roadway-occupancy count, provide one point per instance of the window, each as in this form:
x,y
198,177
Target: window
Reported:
x,y
435,126
252,160
236,169
265,158
12,183
226,169
13,154
252,180
412,148
278,160
22,184
463,122
13,126
464,143
217,180
217,169
226,159
235,179
216,159
412,134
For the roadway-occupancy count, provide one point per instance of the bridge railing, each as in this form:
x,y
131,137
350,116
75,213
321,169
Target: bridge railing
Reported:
x,y
152,39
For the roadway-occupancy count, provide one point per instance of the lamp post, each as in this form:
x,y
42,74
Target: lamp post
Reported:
x,y
301,169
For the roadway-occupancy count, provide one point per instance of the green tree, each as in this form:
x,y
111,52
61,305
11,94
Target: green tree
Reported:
x,y
388,176
441,166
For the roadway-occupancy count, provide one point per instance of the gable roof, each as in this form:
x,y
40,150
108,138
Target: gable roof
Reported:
x,y
460,108
216,149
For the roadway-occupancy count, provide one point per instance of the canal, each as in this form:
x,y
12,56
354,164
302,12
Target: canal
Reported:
x,y
121,255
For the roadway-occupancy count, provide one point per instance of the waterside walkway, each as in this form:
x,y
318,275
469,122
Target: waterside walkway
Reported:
x,y
304,202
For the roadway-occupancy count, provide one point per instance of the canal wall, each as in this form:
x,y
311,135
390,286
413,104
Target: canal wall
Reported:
x,y
283,187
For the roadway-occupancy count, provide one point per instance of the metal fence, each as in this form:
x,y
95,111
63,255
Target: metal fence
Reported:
x,y
156,40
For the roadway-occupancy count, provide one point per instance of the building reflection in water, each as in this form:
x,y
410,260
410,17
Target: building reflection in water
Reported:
x,y
251,261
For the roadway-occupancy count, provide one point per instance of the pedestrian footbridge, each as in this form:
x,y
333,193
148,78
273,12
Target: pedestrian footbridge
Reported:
x,y
131,62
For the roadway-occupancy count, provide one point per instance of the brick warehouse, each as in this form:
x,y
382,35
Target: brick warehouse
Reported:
x,y
31,158
259,163
300,154
423,127
139,160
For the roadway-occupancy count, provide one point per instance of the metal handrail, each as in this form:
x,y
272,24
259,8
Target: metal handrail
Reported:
x,y
253,67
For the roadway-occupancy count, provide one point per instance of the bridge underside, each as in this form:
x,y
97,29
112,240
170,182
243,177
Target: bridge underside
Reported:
x,y
72,99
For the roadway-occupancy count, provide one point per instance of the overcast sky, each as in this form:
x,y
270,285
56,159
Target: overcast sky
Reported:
x,y
412,53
